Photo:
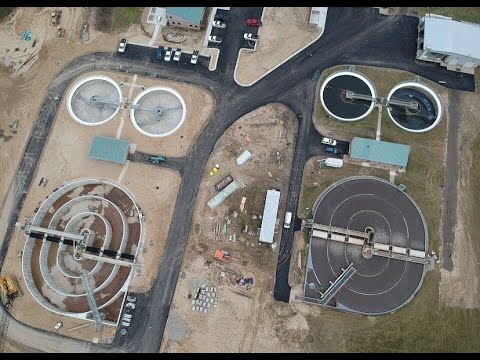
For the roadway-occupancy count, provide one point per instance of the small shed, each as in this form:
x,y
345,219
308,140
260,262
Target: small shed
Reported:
x,y
244,157
109,149
269,218
379,152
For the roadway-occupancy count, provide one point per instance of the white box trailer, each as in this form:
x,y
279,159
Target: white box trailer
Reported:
x,y
334,162
320,234
399,250
337,237
417,253
244,157
383,247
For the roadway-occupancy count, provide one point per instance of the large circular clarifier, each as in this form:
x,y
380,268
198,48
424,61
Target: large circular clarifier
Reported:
x,y
94,100
333,95
158,112
425,117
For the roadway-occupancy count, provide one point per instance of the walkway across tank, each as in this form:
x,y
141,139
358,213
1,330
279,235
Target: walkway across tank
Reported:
x,y
380,284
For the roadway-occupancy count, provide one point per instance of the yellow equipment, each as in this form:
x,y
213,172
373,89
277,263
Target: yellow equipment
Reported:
x,y
9,288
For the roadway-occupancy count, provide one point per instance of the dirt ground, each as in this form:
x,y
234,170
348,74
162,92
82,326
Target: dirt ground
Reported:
x,y
288,26
22,91
64,159
460,287
253,311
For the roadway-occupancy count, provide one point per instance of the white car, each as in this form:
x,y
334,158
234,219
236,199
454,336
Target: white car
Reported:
x,y
194,58
131,298
122,45
328,141
177,54
58,325
219,24
126,324
130,306
168,54
215,39
250,37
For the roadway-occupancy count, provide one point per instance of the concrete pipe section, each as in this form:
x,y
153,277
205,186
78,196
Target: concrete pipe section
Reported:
x,y
52,265
381,284
94,100
335,102
158,111
425,117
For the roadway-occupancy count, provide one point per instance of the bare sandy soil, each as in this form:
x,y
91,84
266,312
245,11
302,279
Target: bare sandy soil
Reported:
x,y
65,158
288,26
261,324
460,287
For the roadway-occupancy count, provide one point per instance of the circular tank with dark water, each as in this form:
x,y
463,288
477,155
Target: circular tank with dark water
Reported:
x,y
333,95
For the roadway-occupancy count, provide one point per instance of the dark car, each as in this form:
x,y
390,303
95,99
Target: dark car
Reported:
x,y
159,53
316,75
222,17
332,150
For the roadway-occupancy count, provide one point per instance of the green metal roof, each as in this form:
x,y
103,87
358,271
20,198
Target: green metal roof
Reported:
x,y
379,151
191,14
108,149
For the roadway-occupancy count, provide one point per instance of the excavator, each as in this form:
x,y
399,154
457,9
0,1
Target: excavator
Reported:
x,y
9,289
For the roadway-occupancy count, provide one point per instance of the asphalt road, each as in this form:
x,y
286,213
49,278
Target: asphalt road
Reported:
x,y
352,36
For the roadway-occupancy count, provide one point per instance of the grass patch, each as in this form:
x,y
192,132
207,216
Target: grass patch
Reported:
x,y
5,11
424,325
471,14
473,216
124,17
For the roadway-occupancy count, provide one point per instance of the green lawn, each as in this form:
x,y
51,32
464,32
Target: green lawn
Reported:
x,y
471,14
424,325
124,17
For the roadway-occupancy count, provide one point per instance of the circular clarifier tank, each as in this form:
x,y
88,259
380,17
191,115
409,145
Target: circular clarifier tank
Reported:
x,y
158,112
425,117
94,100
333,95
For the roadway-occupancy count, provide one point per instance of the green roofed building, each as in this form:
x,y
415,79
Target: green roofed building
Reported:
x,y
382,152
187,17
108,149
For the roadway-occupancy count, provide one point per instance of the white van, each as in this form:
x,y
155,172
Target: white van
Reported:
x,y
288,220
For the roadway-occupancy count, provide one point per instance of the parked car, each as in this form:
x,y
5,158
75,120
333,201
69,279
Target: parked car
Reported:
x,y
126,324
222,17
194,57
126,319
177,54
122,45
331,150
328,141
159,53
58,325
219,24
130,305
316,75
127,316
254,22
131,298
250,37
215,39
168,54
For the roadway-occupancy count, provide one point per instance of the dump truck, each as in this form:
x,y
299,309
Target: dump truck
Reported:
x,y
55,19
222,184
9,289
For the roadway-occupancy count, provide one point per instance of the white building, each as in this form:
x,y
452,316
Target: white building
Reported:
x,y
453,44
269,218
318,16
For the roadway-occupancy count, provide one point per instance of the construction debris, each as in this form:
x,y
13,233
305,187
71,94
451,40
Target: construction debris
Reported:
x,y
242,203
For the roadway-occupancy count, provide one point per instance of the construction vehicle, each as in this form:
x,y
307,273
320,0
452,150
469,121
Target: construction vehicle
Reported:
x,y
60,32
9,289
55,19
222,255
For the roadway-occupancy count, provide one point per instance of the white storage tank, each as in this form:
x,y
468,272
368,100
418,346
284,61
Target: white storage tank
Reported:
x,y
334,162
244,157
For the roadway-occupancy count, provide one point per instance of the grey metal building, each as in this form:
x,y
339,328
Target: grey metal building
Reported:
x,y
453,44
269,217
186,17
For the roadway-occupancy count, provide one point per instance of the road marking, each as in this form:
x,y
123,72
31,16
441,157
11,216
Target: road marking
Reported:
x,y
124,170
